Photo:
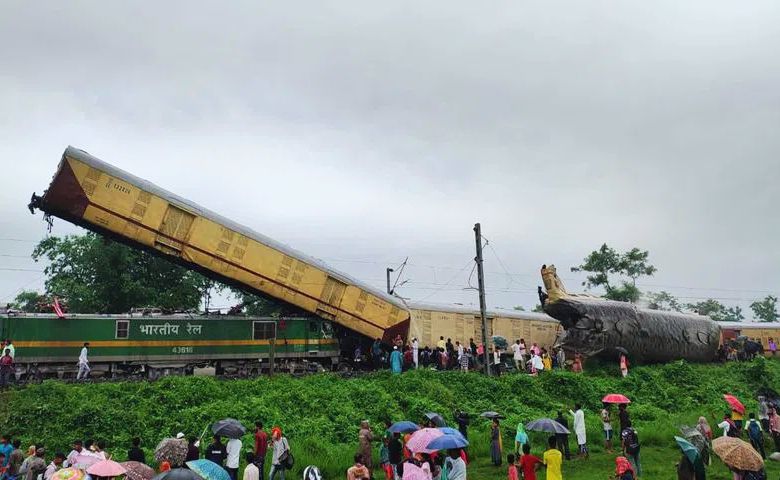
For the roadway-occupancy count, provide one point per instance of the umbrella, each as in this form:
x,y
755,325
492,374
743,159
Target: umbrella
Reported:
x,y
450,431
177,474
734,403
403,427
622,350
138,471
546,425
446,442
106,468
418,442
69,474
84,461
694,436
208,470
172,449
436,419
229,427
615,398
737,454
491,415
688,449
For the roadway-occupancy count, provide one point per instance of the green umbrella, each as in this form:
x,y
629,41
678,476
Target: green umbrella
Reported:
x,y
692,453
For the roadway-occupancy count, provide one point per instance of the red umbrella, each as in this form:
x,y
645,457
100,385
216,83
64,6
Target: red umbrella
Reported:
x,y
615,398
735,404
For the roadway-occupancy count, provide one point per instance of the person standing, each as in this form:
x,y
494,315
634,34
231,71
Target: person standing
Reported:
x,y
83,363
623,417
521,439
36,465
629,441
737,417
607,423
579,430
495,443
233,450
464,361
561,359
497,361
261,447
454,465
359,470
462,418
577,367
441,343
528,463
135,454
774,427
546,361
77,448
376,354
763,412
216,451
552,459
365,437
772,346
395,361
517,356
6,449
623,365
6,367
280,451
252,472
756,434
395,451
562,439
15,460
9,344
55,465
416,352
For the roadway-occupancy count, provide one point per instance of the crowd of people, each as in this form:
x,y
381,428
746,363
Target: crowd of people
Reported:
x,y
449,355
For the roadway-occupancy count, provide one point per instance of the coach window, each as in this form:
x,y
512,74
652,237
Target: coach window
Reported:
x,y
263,330
122,328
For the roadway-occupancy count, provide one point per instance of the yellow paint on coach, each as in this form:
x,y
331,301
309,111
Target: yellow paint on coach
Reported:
x,y
178,230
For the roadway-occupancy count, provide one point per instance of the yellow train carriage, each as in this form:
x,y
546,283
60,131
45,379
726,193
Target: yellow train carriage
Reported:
x,y
761,332
105,199
429,322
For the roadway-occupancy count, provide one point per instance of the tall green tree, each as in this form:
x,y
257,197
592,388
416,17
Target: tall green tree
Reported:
x,y
765,310
258,306
663,301
31,301
606,263
97,275
717,311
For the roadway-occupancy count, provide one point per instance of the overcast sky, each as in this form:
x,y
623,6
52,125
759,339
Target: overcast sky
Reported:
x,y
362,133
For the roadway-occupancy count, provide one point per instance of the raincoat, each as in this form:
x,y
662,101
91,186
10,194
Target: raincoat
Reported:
x,y
521,438
395,361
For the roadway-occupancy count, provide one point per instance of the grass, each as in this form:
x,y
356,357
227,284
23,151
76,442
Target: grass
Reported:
x,y
321,413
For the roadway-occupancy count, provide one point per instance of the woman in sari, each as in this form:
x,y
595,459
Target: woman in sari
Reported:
x,y
495,443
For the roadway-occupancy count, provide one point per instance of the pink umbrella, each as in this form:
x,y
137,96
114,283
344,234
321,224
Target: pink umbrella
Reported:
x,y
106,468
84,461
420,439
413,472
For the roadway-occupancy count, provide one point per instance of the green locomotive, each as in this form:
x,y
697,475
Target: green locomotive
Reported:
x,y
152,345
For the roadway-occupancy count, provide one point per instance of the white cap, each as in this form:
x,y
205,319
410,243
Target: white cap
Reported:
x,y
180,435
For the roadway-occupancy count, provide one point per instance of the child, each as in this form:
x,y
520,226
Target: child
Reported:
x,y
553,459
511,470
529,463
384,459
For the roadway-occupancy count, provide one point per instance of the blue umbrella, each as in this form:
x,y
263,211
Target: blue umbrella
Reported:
x,y
208,469
403,427
450,431
446,442
546,425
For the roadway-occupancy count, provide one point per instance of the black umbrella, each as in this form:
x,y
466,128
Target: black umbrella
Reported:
x,y
229,427
178,474
491,415
546,425
436,419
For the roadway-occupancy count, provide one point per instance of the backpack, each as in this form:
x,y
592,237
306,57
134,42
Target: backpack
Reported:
x,y
754,430
732,429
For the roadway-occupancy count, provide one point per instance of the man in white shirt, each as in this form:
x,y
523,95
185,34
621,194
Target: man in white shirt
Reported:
x,y
517,356
55,465
456,467
233,449
416,352
579,430
83,363
77,450
460,351
9,345
251,472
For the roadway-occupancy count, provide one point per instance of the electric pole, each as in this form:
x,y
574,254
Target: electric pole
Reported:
x,y
482,308
389,290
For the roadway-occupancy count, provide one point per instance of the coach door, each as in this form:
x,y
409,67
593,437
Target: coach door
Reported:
x,y
173,230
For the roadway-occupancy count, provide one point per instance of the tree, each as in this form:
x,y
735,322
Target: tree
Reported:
x,y
538,308
734,314
765,310
97,275
663,301
519,308
30,301
710,308
607,261
257,306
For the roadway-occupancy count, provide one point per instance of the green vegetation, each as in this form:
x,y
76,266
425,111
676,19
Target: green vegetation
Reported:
x,y
607,261
320,414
